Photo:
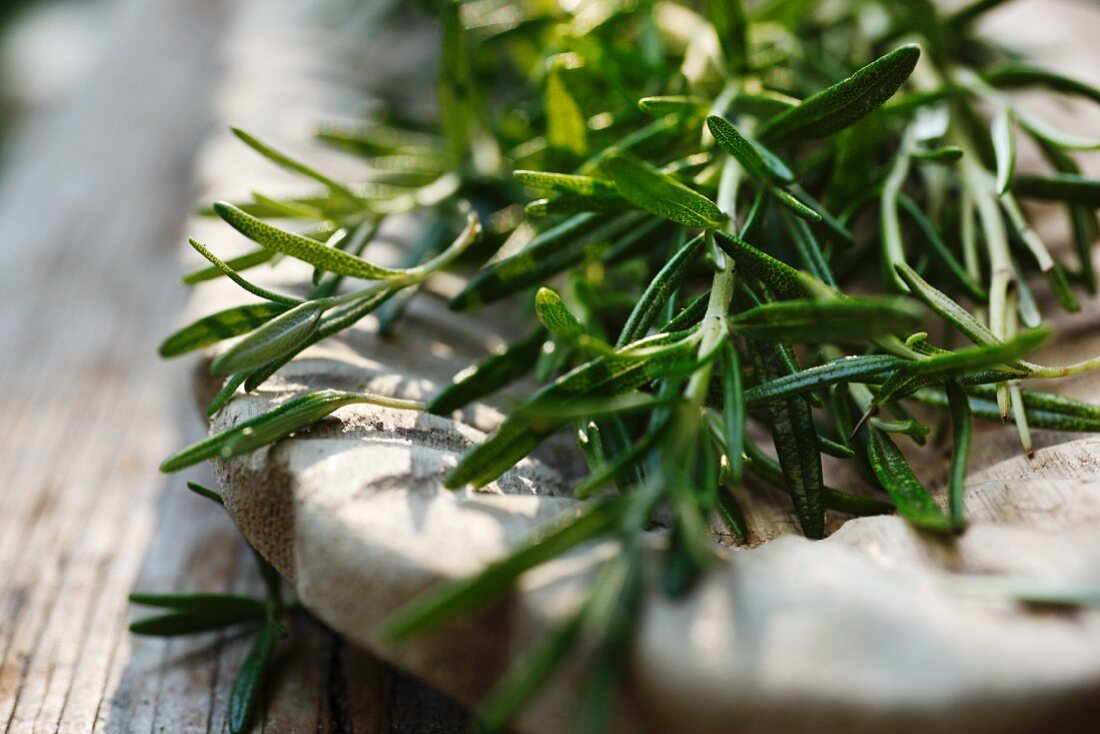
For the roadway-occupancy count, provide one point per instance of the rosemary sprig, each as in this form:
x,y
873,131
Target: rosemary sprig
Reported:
x,y
711,196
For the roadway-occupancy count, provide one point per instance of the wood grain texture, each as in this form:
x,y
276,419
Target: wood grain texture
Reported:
x,y
92,208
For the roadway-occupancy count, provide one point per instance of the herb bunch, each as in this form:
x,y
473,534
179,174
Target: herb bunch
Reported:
x,y
689,202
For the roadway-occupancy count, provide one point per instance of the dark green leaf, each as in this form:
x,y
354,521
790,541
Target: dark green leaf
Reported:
x,y
747,153
648,188
964,16
873,368
455,89
556,317
229,389
939,302
302,248
277,337
731,23
831,321
961,431
334,321
897,478
733,407
566,204
523,679
800,210
221,325
205,492
1021,75
550,252
566,128
769,470
205,603
1061,288
186,622
603,376
777,275
795,438
285,161
1068,187
845,102
279,422
659,290
250,678
498,578
946,154
925,372
674,105
940,249
809,250
567,183
237,264
489,375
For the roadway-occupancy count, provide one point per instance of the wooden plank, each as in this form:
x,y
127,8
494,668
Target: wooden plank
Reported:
x,y
91,211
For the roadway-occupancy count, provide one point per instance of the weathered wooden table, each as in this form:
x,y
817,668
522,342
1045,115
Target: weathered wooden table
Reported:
x,y
92,212
92,216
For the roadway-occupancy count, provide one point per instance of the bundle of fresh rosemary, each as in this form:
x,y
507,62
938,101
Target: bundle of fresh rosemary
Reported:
x,y
710,198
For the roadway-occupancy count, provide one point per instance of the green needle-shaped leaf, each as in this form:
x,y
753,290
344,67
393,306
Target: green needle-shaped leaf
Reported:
x,y
845,102
303,248
468,594
556,317
567,183
250,678
279,422
1067,187
733,408
830,321
456,84
777,275
657,293
607,375
236,264
940,248
795,438
873,368
550,252
566,128
236,277
769,470
946,154
207,603
797,207
731,23
942,304
673,104
747,153
489,375
522,681
1041,413
921,373
897,478
961,430
218,326
277,337
648,188
284,161
206,493
192,622
1023,75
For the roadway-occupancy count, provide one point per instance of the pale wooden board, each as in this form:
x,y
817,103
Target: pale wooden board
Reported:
x,y
91,215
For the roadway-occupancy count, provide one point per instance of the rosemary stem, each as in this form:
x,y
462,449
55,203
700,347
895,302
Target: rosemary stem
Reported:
x,y
891,226
714,328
